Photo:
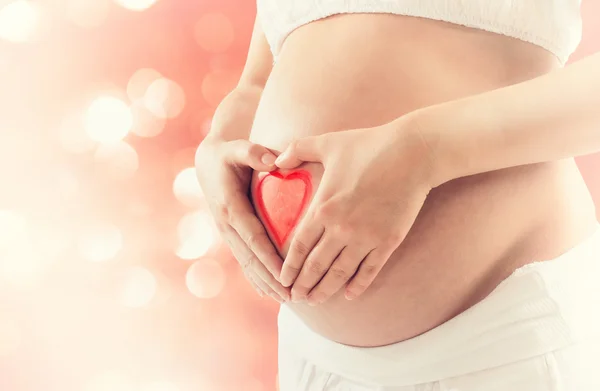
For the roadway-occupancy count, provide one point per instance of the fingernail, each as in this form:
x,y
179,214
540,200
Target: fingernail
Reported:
x,y
350,296
313,300
268,159
296,298
280,158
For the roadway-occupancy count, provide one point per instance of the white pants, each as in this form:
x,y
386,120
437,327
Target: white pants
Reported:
x,y
539,330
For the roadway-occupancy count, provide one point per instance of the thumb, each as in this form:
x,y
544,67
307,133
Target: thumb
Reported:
x,y
308,149
246,153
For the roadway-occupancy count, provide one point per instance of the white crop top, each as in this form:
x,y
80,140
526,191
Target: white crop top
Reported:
x,y
552,24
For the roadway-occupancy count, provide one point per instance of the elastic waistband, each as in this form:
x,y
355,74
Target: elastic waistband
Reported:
x,y
541,307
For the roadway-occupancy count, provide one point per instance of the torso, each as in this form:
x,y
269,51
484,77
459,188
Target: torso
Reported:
x,y
355,71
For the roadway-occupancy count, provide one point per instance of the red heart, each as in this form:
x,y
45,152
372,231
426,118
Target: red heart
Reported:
x,y
281,198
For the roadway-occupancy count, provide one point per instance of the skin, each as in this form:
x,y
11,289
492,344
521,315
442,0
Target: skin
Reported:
x,y
459,239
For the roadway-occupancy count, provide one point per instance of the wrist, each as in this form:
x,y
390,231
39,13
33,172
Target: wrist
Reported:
x,y
441,153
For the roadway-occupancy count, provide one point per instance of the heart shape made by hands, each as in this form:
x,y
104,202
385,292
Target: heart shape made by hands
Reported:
x,y
281,198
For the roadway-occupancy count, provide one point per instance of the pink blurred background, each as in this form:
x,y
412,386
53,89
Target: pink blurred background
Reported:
x,y
112,276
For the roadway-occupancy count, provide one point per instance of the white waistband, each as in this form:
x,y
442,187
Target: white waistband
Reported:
x,y
541,307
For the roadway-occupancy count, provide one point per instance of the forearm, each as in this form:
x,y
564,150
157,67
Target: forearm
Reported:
x,y
552,117
234,116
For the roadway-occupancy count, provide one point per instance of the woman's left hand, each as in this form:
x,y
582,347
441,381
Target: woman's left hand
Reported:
x,y
374,184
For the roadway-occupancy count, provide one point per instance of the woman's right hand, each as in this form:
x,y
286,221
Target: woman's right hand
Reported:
x,y
224,170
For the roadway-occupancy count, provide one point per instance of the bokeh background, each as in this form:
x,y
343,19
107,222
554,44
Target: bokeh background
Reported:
x,y
112,275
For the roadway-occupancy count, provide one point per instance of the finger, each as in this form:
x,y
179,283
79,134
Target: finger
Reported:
x,y
340,272
308,149
254,285
253,234
308,235
317,265
367,271
268,291
274,288
252,266
245,153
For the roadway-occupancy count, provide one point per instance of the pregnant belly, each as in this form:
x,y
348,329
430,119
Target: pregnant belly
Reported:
x,y
472,232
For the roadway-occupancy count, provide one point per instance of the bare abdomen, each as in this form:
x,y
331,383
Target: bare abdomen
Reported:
x,y
472,232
